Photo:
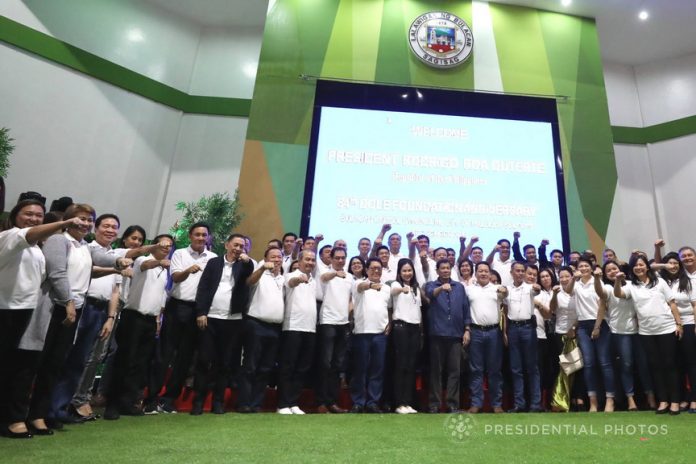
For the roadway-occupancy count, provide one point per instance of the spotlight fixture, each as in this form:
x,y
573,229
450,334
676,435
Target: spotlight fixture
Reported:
x,y
643,15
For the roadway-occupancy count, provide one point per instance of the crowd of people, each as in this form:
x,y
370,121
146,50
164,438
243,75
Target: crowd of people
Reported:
x,y
150,316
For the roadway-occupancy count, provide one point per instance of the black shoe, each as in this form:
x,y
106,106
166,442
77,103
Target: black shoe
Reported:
x,y
536,410
34,431
244,410
356,409
132,411
662,411
111,413
515,410
218,407
453,410
197,409
54,424
6,432
433,410
373,409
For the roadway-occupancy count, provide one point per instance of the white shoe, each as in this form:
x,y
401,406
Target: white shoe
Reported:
x,y
296,410
402,410
285,411
411,410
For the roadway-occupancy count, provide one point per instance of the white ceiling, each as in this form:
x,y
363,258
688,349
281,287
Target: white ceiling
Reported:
x,y
669,32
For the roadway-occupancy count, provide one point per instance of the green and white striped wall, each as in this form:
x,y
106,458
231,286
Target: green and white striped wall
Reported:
x,y
517,50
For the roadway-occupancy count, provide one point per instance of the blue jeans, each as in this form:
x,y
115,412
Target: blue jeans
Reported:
x,y
594,353
88,328
522,341
486,355
368,372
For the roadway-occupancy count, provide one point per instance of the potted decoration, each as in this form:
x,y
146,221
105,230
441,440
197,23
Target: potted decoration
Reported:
x,y
221,212
6,149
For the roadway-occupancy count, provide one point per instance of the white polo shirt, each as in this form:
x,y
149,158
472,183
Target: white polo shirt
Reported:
x,y
336,303
220,307
684,302
183,259
267,302
503,268
520,302
586,300
22,269
371,311
388,274
621,315
101,287
484,304
407,306
147,293
652,307
543,298
79,269
300,305
565,313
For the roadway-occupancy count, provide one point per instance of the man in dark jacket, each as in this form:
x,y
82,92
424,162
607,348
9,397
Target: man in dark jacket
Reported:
x,y
221,299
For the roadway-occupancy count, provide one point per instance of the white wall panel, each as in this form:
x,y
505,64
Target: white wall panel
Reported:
x,y
208,160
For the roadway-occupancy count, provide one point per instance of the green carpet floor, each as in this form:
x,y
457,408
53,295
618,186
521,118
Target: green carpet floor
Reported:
x,y
387,438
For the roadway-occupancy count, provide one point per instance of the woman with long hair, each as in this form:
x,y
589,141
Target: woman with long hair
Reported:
x,y
593,335
546,278
676,277
659,328
621,317
406,333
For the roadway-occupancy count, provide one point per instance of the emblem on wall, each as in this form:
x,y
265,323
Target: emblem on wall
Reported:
x,y
440,39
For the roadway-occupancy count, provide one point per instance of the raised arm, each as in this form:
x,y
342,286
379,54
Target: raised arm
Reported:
x,y
255,276
516,253
599,289
379,239
659,243
41,232
618,290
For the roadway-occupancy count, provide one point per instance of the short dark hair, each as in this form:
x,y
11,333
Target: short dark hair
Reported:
x,y
372,260
198,224
556,250
423,236
528,246
335,249
107,216
441,262
477,248
321,250
233,236
503,240
483,263
289,234
382,247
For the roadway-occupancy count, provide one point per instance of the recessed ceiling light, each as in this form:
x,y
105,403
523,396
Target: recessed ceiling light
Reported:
x,y
566,2
643,15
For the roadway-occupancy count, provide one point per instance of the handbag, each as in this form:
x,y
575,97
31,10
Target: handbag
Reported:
x,y
571,361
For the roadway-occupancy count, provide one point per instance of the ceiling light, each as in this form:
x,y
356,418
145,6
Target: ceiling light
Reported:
x,y
566,2
643,15
135,35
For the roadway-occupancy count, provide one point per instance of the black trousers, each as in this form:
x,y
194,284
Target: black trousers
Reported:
x,y
216,345
136,343
261,341
687,353
13,323
661,351
332,341
297,353
445,357
406,338
178,341
59,340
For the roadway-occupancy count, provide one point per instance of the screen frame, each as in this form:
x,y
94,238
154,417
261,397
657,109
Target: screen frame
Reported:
x,y
427,100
